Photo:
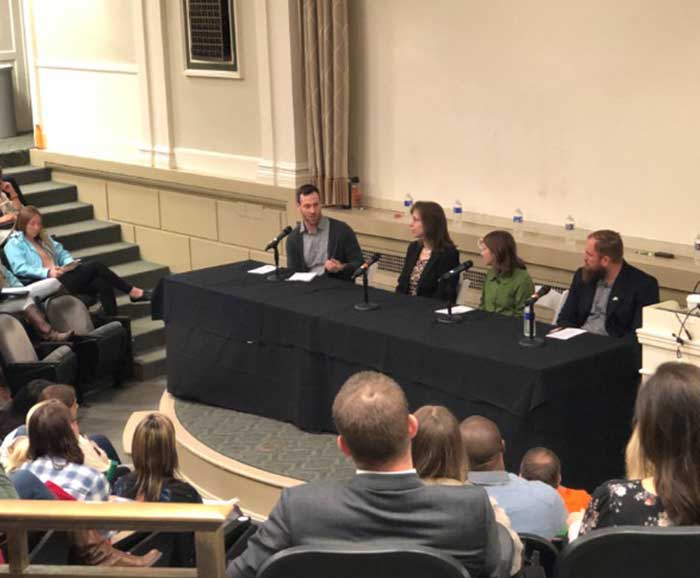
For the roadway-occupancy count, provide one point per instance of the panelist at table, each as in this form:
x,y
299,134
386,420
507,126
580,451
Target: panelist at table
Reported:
x,y
508,285
607,294
321,244
430,256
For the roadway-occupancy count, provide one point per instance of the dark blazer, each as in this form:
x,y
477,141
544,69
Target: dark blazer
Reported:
x,y
342,245
384,510
440,262
632,290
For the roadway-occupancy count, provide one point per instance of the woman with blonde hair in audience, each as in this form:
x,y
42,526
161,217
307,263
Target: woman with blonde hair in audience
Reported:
x,y
667,413
440,459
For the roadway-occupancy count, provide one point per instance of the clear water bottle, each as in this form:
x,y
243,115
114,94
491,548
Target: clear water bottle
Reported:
x,y
696,246
407,204
457,212
529,329
570,230
518,221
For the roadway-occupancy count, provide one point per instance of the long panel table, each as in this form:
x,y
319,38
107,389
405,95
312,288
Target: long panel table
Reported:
x,y
282,350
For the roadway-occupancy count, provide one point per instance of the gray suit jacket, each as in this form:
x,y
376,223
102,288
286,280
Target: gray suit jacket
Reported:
x,y
384,510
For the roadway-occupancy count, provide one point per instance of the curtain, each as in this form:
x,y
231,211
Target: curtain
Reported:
x,y
326,89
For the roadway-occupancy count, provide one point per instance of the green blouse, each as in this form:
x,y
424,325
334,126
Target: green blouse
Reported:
x,y
506,294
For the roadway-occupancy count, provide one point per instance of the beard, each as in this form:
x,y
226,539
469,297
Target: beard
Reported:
x,y
593,275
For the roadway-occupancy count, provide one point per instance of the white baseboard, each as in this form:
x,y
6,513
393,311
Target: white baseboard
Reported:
x,y
288,174
238,167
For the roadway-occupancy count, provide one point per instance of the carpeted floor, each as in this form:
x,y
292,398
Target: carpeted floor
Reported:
x,y
264,443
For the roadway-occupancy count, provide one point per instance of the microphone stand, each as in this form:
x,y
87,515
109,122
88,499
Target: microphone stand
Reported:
x,y
449,319
366,305
529,340
276,276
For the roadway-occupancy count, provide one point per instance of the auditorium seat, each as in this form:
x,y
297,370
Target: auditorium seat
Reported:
x,y
539,552
358,560
22,363
634,551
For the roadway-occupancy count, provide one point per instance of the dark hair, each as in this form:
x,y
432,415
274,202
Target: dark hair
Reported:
x,y
667,413
155,455
371,414
14,414
505,252
482,441
541,464
305,190
51,434
63,393
434,222
608,244
437,448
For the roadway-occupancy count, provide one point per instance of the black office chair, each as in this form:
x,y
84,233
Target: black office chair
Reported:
x,y
633,551
355,561
538,553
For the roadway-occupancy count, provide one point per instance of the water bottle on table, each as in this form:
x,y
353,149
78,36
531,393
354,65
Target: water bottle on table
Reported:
x,y
457,212
570,230
407,205
518,221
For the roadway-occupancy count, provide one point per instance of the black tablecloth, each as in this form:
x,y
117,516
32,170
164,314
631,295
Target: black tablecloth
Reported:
x,y
282,350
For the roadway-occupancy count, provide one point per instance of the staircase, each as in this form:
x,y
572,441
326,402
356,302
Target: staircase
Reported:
x,y
73,223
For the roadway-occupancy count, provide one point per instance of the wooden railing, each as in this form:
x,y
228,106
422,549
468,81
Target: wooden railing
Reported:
x,y
17,517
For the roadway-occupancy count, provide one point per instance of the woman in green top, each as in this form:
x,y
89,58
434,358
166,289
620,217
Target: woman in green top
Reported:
x,y
508,285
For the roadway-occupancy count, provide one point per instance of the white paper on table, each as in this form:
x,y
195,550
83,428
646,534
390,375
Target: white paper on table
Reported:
x,y
456,310
14,291
264,270
566,333
305,277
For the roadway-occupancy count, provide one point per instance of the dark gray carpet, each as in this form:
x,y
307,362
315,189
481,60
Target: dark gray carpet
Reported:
x,y
264,443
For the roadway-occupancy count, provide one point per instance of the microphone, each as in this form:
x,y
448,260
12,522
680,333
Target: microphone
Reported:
x,y
278,238
366,265
537,295
457,270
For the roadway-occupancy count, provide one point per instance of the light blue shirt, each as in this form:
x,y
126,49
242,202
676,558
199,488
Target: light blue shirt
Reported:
x,y
533,507
26,261
10,279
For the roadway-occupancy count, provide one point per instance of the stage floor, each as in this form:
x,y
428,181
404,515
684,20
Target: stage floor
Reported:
x,y
263,443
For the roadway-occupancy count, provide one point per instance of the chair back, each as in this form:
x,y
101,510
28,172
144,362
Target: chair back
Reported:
x,y
355,561
68,313
539,552
15,345
635,551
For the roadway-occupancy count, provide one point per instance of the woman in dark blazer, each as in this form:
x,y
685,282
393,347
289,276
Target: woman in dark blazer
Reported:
x,y
430,256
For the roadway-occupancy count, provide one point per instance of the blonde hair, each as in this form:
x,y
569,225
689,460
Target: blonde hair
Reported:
x,y
637,466
155,456
25,215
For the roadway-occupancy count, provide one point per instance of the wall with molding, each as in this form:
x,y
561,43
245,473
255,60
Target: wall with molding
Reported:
x,y
12,52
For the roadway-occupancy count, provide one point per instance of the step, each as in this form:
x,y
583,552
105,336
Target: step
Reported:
x,y
85,234
133,310
28,174
66,213
141,273
110,254
147,334
150,364
48,193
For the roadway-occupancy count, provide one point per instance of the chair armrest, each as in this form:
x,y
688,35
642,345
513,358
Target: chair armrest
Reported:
x,y
45,348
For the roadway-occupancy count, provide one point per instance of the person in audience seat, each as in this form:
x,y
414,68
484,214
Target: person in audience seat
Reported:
x,y
439,458
385,503
508,284
667,413
321,244
11,200
430,256
607,294
14,413
32,254
533,507
542,464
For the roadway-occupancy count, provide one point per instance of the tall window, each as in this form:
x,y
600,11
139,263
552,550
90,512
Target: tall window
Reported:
x,y
211,35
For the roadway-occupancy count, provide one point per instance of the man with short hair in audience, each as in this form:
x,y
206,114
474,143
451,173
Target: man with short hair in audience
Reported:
x,y
533,507
543,465
385,503
321,244
607,294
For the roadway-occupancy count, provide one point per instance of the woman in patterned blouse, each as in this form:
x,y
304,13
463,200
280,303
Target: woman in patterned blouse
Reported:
x,y
667,414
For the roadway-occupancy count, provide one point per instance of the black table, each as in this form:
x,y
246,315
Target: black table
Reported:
x,y
282,350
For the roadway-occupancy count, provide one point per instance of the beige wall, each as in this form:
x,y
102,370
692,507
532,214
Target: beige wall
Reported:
x,y
582,107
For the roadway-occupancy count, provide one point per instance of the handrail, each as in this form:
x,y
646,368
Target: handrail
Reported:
x,y
205,520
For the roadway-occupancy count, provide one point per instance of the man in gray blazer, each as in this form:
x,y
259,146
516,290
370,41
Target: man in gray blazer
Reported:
x,y
385,503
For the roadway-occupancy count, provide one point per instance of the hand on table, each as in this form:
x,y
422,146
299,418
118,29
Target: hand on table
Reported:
x,y
334,266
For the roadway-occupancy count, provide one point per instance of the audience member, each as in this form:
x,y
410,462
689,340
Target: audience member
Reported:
x,y
14,414
321,244
508,284
542,464
375,431
607,294
439,458
667,413
11,200
32,254
430,256
533,507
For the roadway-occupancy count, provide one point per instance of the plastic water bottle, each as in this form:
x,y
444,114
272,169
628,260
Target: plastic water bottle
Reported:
x,y
570,230
518,220
457,212
529,329
696,245
407,204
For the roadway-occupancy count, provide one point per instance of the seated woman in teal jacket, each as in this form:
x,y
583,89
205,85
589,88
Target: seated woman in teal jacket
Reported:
x,y
33,255
508,285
